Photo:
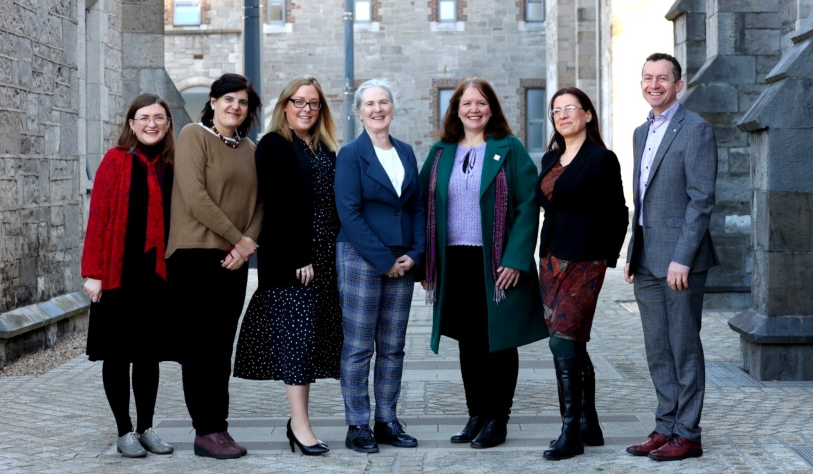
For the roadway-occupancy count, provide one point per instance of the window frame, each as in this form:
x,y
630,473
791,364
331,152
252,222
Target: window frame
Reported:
x,y
369,11
186,3
527,7
284,6
454,18
543,120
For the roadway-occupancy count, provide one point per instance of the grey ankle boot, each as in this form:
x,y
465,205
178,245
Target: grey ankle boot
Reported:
x,y
153,443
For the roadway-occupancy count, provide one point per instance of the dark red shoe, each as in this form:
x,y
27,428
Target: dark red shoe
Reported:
x,y
655,441
239,447
215,445
677,448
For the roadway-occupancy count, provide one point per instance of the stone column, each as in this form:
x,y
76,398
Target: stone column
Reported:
x,y
776,333
689,18
742,45
143,56
585,36
561,44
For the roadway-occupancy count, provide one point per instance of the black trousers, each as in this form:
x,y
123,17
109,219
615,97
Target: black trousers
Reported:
x,y
210,301
489,378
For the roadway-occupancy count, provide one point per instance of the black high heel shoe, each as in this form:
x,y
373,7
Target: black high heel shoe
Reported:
x,y
316,449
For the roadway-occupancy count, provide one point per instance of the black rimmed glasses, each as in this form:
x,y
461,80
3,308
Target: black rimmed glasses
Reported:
x,y
301,103
564,112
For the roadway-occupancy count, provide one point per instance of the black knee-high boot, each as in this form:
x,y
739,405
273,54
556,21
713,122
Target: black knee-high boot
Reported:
x,y
569,380
590,429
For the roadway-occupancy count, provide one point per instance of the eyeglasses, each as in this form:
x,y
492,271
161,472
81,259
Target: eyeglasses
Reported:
x,y
300,104
564,112
658,80
145,120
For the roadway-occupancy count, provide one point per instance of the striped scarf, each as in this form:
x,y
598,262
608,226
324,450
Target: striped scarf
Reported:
x,y
498,232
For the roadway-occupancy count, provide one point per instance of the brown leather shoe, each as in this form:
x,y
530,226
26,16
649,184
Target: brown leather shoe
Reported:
x,y
239,447
677,448
215,445
655,441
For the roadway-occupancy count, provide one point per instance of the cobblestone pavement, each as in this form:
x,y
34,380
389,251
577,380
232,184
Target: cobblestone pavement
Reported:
x,y
59,422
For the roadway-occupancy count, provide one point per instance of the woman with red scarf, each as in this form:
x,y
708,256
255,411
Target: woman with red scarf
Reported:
x,y
132,313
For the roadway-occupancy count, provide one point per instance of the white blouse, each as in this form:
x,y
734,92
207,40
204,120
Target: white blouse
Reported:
x,y
392,165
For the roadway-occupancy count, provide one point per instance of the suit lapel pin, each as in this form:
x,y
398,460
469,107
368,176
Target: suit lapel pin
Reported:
x,y
496,157
674,130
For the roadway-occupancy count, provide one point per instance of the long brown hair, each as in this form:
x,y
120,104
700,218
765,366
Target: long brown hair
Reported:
x,y
497,126
324,130
128,139
557,141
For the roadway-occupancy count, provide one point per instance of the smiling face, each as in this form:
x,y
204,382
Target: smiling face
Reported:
x,y
659,86
376,110
230,110
570,124
150,133
302,120
473,110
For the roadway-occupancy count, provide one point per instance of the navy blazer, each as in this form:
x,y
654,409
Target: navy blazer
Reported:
x,y
587,217
372,215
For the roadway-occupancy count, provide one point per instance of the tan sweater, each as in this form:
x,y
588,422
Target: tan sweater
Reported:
x,y
214,195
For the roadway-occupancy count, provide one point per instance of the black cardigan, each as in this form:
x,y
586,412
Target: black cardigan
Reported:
x,y
285,185
587,217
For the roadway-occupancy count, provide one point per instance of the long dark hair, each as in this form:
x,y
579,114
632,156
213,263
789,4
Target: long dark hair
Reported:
x,y
230,82
557,141
497,126
128,139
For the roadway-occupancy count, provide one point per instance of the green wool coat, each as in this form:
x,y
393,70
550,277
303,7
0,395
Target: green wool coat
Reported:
x,y
519,318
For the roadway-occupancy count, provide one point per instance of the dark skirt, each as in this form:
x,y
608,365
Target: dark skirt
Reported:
x,y
570,292
276,337
465,314
135,322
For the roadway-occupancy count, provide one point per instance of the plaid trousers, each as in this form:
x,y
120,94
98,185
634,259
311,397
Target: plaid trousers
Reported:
x,y
375,312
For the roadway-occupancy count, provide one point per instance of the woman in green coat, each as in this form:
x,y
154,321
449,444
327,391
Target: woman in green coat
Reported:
x,y
480,271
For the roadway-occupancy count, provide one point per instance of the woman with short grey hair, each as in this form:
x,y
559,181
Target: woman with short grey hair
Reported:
x,y
378,198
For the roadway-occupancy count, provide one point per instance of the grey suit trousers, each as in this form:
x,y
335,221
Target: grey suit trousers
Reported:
x,y
671,321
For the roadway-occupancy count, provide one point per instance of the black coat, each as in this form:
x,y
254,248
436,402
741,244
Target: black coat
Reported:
x,y
285,185
587,217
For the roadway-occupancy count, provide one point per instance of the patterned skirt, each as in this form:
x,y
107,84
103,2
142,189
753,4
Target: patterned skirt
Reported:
x,y
570,292
277,337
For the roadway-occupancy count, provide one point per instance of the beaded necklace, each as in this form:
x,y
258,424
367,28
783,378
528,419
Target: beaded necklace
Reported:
x,y
231,143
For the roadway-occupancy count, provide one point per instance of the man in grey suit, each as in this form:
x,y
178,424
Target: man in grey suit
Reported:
x,y
670,254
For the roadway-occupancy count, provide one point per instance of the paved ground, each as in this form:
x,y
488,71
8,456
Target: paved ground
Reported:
x,y
59,422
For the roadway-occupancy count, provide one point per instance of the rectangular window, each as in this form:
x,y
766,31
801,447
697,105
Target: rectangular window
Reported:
x,y
537,119
535,10
187,13
276,12
447,10
363,11
444,96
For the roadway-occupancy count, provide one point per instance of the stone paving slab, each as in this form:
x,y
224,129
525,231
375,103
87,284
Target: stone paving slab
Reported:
x,y
59,422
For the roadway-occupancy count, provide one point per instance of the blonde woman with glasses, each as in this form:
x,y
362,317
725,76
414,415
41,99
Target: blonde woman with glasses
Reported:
x,y
292,330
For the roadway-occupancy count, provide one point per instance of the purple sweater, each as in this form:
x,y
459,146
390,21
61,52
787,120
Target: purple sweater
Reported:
x,y
464,225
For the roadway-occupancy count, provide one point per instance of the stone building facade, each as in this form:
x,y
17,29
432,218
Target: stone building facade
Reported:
x,y
410,43
68,70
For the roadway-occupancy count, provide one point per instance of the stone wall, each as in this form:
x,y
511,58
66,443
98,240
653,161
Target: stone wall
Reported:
x,y
68,71
40,161
197,55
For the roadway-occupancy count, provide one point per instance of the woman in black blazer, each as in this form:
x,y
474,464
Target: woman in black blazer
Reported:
x,y
585,223
292,330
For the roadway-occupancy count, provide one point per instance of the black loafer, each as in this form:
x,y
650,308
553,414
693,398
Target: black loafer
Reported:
x,y
393,433
470,431
493,434
360,439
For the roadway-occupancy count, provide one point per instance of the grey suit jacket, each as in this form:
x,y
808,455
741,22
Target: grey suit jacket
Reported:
x,y
679,196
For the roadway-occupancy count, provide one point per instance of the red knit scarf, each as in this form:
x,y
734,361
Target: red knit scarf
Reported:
x,y
155,216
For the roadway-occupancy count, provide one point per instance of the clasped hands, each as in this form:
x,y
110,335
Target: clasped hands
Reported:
x,y
240,254
402,265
